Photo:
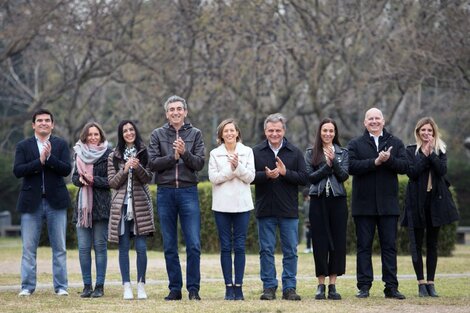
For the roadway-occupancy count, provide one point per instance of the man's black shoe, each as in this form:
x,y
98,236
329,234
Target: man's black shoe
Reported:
x,y
290,294
362,293
269,294
173,295
393,293
194,295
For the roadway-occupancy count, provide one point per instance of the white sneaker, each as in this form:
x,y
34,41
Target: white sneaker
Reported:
x,y
24,293
62,292
141,294
128,292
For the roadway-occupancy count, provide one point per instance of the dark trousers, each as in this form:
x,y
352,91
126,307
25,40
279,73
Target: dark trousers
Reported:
x,y
232,229
432,236
328,220
365,231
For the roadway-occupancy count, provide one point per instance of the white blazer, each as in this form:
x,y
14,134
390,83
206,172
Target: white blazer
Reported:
x,y
231,191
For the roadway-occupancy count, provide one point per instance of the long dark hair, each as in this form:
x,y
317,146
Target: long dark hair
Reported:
x,y
121,146
318,156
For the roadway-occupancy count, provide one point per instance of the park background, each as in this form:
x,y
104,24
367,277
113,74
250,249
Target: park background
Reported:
x,y
308,59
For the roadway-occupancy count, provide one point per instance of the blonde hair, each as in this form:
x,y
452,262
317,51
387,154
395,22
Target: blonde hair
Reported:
x,y
439,145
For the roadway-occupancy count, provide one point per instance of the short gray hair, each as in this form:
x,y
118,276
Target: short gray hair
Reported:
x,y
175,99
274,118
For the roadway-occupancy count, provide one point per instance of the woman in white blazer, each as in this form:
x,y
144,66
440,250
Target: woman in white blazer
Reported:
x,y
231,170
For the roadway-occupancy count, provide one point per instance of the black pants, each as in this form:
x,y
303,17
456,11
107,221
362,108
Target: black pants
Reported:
x,y
328,222
365,230
432,236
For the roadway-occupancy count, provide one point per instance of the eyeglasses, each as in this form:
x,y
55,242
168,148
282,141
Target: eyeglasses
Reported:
x,y
179,109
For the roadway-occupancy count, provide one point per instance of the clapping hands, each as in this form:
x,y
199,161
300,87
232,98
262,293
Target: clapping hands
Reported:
x,y
233,160
279,170
383,156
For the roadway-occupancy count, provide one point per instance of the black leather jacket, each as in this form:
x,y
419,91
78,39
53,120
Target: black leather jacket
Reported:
x,y
319,174
169,172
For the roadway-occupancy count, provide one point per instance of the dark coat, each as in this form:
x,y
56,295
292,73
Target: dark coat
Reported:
x,y
28,166
101,190
375,188
169,172
278,197
443,210
319,174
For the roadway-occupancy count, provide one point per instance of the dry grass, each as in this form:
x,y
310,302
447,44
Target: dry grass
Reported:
x,y
453,282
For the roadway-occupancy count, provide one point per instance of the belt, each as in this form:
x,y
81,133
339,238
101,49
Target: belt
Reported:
x,y
43,195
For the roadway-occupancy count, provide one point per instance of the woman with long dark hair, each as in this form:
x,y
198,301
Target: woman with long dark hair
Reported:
x,y
428,203
131,207
327,168
93,203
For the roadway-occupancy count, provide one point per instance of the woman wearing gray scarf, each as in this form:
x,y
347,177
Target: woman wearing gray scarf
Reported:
x,y
91,214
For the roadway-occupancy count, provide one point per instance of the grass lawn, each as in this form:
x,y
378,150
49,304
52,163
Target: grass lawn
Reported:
x,y
452,283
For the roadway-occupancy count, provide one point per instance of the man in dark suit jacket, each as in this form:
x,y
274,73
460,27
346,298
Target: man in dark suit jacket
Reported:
x,y
375,159
43,161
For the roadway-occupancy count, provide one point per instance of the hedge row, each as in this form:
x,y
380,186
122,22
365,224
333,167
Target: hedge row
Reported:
x,y
209,238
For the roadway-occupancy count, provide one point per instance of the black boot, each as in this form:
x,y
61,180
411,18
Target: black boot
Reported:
x,y
87,291
320,294
229,293
99,291
332,294
238,292
431,291
422,290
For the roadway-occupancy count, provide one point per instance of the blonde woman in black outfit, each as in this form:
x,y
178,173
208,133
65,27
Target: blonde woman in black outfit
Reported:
x,y
428,203
327,168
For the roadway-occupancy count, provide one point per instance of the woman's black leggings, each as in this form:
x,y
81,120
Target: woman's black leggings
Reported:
x,y
432,236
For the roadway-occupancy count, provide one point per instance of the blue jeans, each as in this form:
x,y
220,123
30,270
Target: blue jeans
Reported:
x,y
141,250
232,228
31,224
289,235
97,237
183,203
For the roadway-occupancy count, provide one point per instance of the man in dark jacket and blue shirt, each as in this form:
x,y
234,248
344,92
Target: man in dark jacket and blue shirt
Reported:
x,y
280,169
375,159
42,161
176,153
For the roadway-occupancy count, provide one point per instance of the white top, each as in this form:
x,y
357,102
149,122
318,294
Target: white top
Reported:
x,y
276,150
231,191
376,139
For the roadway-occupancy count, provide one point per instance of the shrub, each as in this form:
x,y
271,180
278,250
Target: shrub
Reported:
x,y
209,236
